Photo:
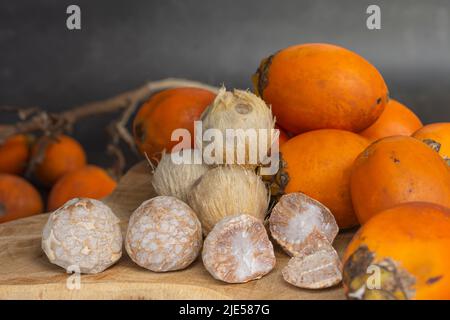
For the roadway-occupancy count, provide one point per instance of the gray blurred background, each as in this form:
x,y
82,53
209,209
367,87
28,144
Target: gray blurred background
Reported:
x,y
123,44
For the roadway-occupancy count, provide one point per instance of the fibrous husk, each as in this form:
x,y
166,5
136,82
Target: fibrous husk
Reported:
x,y
238,250
226,191
163,234
172,178
298,222
83,236
238,110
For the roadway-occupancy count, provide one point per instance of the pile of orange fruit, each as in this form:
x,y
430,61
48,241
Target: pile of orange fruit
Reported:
x,y
346,143
343,141
370,160
63,170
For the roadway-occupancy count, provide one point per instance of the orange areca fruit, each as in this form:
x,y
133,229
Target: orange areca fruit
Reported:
x,y
86,182
318,163
61,156
14,154
18,198
283,138
165,112
321,86
436,133
396,120
396,170
401,253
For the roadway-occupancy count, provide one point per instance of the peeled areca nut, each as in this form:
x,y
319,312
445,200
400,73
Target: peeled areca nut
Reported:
x,y
163,234
314,270
298,222
83,236
238,250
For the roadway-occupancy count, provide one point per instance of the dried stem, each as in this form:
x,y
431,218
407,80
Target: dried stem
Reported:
x,y
41,146
22,113
43,121
50,125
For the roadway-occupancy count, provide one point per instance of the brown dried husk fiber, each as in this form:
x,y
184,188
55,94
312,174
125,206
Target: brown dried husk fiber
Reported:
x,y
227,191
238,109
171,179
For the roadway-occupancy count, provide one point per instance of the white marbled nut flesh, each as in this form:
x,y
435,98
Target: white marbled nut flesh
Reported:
x,y
238,250
164,234
83,236
298,221
314,270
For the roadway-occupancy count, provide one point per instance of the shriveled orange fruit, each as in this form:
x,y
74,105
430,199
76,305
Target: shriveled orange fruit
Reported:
x,y
320,86
18,198
401,253
61,157
396,120
318,163
396,170
14,154
436,133
86,182
163,113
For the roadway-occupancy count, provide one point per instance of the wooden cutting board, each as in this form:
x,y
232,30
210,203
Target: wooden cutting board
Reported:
x,y
25,272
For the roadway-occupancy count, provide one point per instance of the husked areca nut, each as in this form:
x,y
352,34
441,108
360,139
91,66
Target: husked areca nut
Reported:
x,y
298,222
176,179
238,250
83,236
252,127
163,234
227,191
316,269
305,229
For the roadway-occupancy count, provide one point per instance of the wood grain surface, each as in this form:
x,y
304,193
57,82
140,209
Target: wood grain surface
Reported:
x,y
26,273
